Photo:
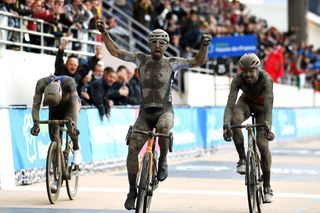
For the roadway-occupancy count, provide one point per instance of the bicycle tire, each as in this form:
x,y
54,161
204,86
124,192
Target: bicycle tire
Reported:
x,y
153,186
72,182
143,185
250,181
259,193
53,173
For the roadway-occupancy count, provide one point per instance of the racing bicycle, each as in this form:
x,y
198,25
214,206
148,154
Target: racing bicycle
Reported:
x,y
59,166
147,180
253,175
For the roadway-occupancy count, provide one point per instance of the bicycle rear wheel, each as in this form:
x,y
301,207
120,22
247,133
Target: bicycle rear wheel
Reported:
x,y
53,173
251,182
72,181
143,185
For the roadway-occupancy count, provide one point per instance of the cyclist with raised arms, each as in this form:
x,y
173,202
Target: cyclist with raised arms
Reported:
x,y
257,98
156,111
60,94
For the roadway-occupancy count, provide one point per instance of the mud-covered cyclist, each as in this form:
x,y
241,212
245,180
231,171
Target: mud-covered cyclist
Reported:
x,y
257,98
156,111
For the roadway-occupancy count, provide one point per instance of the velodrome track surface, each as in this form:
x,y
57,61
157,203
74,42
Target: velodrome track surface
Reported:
x,y
204,184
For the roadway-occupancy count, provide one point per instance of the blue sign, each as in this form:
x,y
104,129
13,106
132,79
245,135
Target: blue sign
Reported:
x,y
307,122
107,137
232,46
186,131
284,123
28,151
214,124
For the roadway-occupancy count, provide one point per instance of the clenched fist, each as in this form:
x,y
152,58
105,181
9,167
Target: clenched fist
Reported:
x,y
206,39
100,25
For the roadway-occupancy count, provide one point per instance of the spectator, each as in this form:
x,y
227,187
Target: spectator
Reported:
x,y
121,85
274,63
39,11
101,89
142,12
71,67
97,72
134,97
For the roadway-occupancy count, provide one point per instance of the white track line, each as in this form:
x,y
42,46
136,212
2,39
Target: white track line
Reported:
x,y
174,191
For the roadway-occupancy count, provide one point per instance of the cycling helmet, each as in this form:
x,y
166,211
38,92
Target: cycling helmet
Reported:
x,y
158,34
249,60
52,94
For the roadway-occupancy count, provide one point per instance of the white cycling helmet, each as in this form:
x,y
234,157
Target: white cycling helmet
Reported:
x,y
158,34
249,60
52,94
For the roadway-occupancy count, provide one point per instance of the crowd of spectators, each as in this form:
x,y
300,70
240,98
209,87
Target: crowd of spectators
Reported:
x,y
62,18
282,56
98,85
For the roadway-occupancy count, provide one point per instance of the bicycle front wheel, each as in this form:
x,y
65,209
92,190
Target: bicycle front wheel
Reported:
x,y
72,181
251,182
259,193
53,173
152,186
143,185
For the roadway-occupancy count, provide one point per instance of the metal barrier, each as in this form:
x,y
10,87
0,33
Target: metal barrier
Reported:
x,y
137,39
21,44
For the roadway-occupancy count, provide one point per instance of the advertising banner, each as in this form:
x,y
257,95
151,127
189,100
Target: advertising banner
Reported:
x,y
28,151
214,124
107,137
186,130
31,151
307,122
232,46
283,123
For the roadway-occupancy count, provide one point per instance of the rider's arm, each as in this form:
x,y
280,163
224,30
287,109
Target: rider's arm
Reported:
x,y
178,63
200,58
268,100
37,98
232,98
114,50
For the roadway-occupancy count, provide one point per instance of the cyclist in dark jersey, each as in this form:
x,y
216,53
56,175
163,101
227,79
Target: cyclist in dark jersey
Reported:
x,y
60,94
156,111
257,98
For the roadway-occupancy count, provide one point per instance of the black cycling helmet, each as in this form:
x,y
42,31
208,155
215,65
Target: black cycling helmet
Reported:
x,y
158,34
53,93
249,60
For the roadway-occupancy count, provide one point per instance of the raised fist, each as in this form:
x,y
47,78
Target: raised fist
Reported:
x,y
100,25
206,39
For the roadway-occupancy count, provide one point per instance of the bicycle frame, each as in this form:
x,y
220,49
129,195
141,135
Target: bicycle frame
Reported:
x,y
253,179
57,131
148,182
57,167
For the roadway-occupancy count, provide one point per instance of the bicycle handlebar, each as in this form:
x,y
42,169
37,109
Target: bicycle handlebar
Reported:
x,y
54,122
249,126
268,134
153,134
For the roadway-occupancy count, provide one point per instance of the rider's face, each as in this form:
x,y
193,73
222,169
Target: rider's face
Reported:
x,y
250,75
158,48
